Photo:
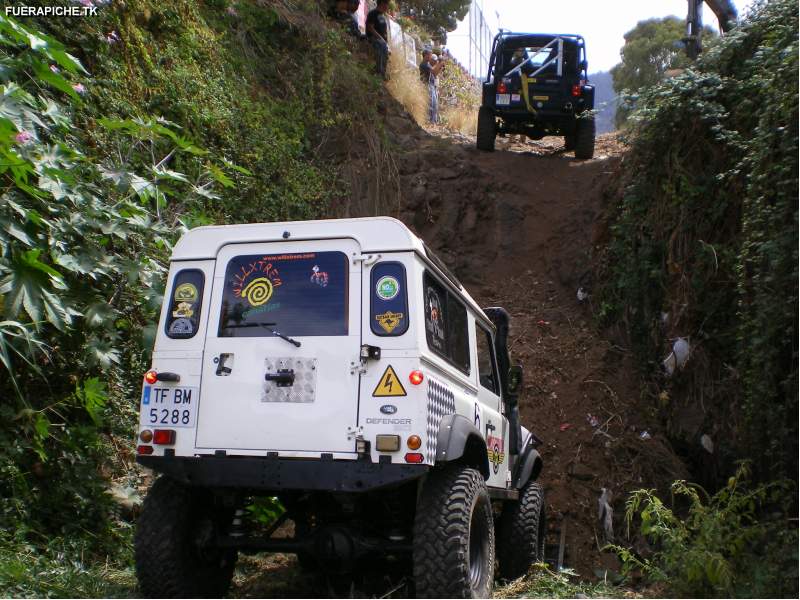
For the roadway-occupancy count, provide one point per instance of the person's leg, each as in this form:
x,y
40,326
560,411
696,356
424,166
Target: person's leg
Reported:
x,y
431,103
381,56
434,105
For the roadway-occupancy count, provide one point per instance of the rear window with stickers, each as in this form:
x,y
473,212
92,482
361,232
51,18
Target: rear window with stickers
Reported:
x,y
446,327
389,300
185,302
301,294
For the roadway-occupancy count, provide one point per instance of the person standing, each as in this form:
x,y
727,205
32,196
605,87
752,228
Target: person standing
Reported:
x,y
429,70
378,34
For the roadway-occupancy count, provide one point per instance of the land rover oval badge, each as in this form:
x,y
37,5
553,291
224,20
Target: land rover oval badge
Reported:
x,y
388,409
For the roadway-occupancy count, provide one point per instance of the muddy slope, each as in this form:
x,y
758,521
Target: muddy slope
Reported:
x,y
517,226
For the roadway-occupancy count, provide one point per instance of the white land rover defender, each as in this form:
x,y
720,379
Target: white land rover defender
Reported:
x,y
340,367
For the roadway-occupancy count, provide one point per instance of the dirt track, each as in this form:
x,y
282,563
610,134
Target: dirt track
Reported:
x,y
518,226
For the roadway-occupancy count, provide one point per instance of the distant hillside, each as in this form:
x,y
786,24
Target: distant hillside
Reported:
x,y
604,101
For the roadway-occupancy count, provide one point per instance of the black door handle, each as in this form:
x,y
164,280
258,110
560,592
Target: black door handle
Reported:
x,y
283,378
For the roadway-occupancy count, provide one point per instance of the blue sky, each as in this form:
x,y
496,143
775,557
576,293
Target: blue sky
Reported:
x,y
603,24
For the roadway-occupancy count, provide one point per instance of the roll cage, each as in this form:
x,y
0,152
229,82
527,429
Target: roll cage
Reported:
x,y
538,42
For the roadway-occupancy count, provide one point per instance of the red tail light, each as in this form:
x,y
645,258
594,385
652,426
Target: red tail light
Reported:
x,y
415,377
144,449
576,90
151,377
414,457
164,437
502,88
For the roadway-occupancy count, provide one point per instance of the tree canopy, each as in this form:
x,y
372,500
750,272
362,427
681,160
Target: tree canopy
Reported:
x,y
437,16
651,48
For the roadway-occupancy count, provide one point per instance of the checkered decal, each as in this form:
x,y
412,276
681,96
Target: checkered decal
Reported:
x,y
441,402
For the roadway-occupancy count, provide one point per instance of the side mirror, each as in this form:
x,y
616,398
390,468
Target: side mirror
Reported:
x,y
514,380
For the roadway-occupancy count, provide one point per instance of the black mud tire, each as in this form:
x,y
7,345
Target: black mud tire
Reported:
x,y
521,533
584,138
169,562
454,546
487,129
569,142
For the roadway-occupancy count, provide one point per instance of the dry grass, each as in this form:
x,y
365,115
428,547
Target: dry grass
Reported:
x,y
459,119
404,84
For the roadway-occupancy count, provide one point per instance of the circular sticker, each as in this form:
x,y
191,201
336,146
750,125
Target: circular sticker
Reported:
x,y
387,288
186,292
258,291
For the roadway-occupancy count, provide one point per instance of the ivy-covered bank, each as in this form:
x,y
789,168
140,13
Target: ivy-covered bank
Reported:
x,y
116,133
704,236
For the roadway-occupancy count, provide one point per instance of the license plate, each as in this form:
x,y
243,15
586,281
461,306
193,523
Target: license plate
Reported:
x,y
503,99
168,406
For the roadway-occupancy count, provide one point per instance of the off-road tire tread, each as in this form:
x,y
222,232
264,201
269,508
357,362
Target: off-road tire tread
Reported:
x,y
584,138
519,541
441,534
164,566
487,129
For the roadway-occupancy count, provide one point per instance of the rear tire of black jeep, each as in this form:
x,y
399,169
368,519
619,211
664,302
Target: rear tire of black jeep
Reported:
x,y
584,138
169,561
487,129
454,548
521,533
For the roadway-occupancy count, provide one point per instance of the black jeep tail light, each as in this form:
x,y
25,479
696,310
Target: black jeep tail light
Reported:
x,y
576,90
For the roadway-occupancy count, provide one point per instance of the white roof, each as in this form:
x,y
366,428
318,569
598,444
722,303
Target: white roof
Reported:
x,y
374,234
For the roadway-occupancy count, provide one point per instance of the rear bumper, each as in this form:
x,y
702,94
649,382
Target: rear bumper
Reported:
x,y
279,474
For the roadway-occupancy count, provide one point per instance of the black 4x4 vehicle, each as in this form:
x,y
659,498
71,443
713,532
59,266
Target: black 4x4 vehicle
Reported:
x,y
537,85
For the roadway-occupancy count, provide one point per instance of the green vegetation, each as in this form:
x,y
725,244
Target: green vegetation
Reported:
x,y
436,16
720,548
704,243
115,136
651,49
704,237
543,582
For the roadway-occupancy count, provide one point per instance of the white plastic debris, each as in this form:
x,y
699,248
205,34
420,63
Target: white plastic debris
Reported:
x,y
707,443
669,364
645,435
679,356
605,514
681,350
582,294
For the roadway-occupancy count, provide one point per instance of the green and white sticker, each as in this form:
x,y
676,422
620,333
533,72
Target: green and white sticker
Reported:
x,y
387,288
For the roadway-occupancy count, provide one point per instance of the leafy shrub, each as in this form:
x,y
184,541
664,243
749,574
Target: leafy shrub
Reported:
x,y
704,242
729,544
80,270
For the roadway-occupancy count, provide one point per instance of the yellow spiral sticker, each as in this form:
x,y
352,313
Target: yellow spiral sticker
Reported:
x,y
258,291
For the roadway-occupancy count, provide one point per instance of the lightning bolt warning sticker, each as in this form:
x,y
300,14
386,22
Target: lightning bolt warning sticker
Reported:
x,y
389,385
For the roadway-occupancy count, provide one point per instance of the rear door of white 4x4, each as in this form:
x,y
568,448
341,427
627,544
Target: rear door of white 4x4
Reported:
x,y
284,327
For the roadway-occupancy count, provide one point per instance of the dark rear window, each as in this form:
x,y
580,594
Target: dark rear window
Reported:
x,y
185,301
388,299
446,325
301,294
